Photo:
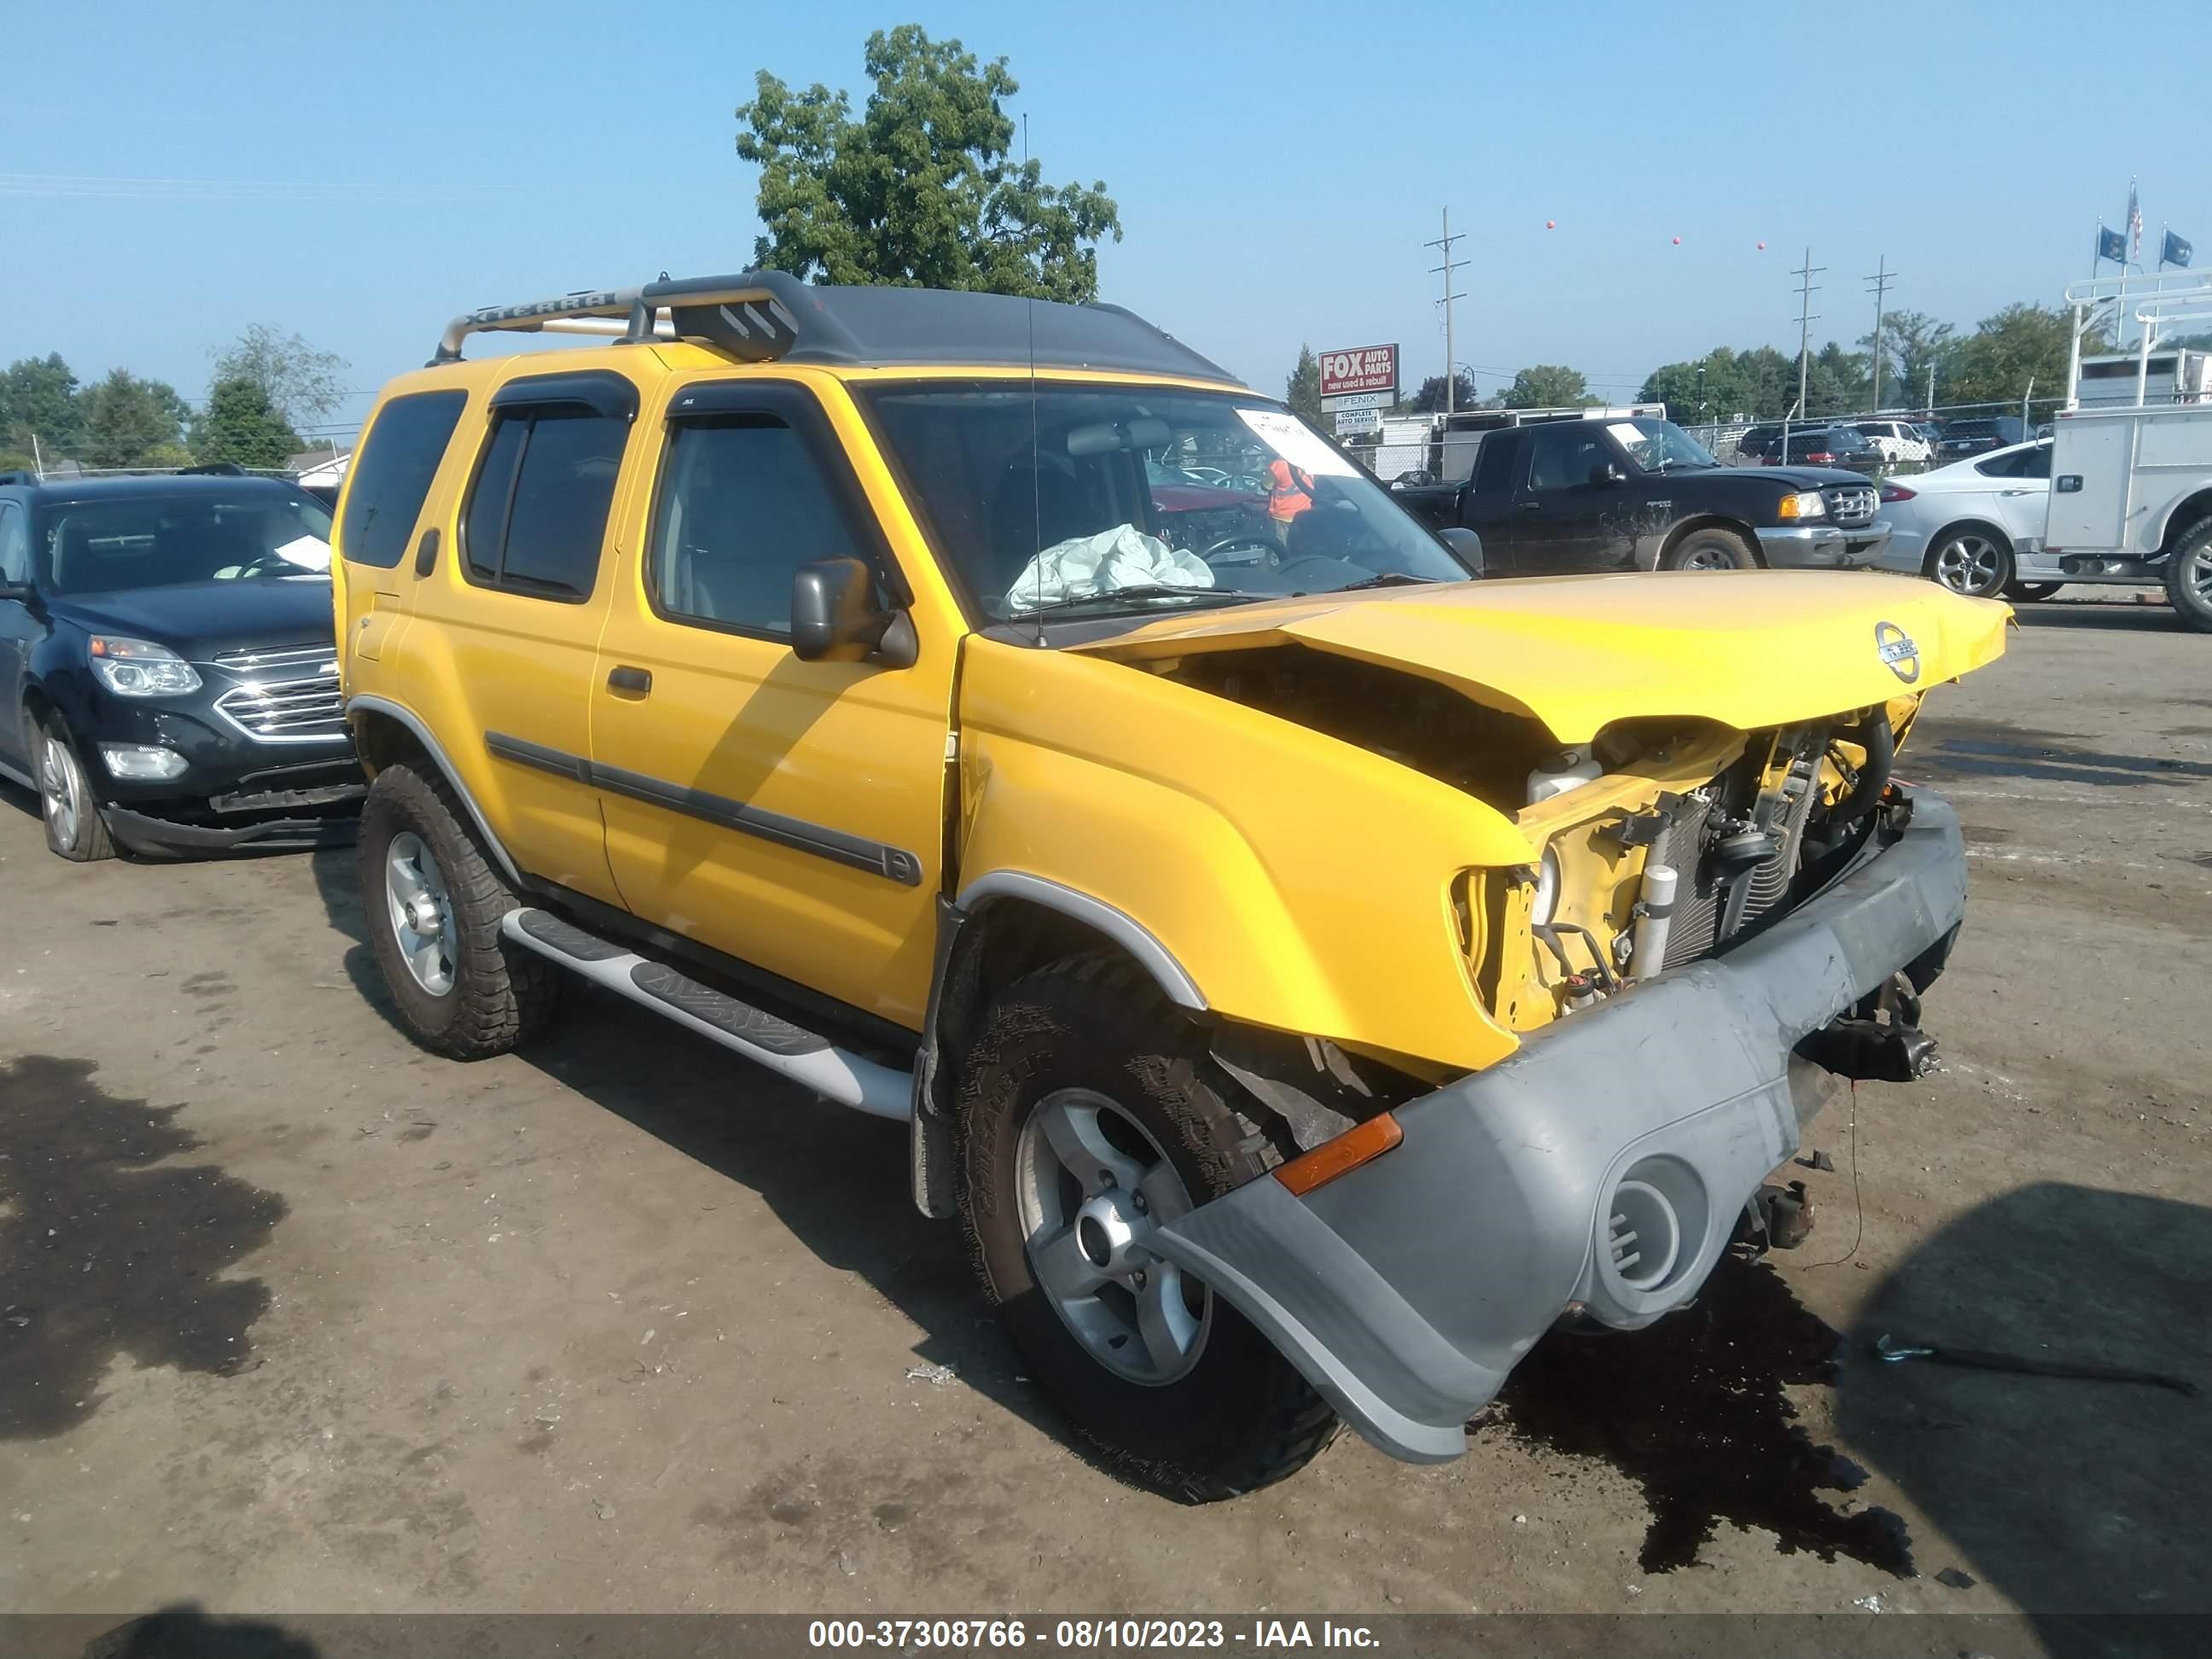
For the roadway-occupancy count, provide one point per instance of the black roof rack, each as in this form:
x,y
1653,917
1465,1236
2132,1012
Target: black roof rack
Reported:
x,y
764,316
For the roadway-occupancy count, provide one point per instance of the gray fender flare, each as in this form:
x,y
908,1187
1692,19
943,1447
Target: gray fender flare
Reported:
x,y
421,732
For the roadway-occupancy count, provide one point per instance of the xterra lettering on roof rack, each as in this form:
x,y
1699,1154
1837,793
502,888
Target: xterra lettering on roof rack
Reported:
x,y
764,316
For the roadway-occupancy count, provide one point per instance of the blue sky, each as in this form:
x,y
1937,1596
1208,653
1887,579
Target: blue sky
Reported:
x,y
359,175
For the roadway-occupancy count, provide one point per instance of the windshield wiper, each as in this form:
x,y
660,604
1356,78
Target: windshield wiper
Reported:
x,y
1387,579
1140,591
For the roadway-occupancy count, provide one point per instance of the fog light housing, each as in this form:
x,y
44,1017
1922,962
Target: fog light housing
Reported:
x,y
141,763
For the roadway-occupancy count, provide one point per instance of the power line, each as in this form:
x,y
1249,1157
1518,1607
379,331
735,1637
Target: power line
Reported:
x,y
1882,277
1443,243
1806,288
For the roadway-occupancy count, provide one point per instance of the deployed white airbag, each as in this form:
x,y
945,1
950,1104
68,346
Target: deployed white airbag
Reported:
x,y
1123,556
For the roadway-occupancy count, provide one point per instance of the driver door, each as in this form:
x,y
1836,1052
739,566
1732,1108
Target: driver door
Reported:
x,y
18,631
1562,521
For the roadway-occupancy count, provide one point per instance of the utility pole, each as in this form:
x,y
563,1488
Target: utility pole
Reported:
x,y
38,458
1931,389
1882,277
1443,244
1806,289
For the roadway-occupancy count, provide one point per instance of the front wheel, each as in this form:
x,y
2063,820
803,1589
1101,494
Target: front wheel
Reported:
x,y
1088,1121
1711,550
2189,576
1970,561
433,905
75,830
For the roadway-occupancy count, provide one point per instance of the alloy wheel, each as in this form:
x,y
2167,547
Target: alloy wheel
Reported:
x,y
1968,565
60,790
2198,575
421,913
1091,1185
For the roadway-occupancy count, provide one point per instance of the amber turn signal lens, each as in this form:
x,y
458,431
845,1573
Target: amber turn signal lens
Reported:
x,y
1331,1158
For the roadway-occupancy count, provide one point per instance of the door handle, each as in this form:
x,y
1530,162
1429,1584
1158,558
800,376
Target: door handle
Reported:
x,y
2015,492
626,678
1529,507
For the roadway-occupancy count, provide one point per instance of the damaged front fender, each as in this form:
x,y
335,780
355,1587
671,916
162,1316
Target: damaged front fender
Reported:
x,y
1604,1164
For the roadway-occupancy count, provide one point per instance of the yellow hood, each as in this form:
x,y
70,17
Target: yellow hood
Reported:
x,y
1749,649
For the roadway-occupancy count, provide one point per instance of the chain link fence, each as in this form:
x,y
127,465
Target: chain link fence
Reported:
x,y
1725,438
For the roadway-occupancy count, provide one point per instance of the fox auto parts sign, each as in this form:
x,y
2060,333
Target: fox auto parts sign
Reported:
x,y
1361,368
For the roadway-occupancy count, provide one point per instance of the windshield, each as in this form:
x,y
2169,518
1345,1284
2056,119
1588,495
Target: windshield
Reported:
x,y
112,543
1140,497
1659,446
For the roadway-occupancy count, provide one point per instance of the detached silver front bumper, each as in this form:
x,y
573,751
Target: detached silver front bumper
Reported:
x,y
1823,546
1406,1290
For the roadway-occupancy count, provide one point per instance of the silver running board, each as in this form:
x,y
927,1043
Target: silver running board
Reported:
x,y
801,1055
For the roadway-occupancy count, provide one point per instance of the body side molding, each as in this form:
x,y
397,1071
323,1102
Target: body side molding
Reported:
x,y
858,852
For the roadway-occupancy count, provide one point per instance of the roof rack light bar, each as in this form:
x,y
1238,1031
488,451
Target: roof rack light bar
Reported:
x,y
756,317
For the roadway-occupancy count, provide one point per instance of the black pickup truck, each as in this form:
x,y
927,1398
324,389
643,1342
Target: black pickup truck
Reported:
x,y
1642,494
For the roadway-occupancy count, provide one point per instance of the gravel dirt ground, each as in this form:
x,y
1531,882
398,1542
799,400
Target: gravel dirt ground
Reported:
x,y
300,1319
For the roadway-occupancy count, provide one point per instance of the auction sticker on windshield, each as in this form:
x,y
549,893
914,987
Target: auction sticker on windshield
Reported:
x,y
1289,437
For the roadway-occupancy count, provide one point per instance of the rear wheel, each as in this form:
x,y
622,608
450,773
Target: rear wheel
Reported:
x,y
1969,561
434,904
2189,576
1088,1120
2031,593
75,830
1710,549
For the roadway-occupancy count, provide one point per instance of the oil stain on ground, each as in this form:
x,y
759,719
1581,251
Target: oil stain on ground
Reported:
x,y
1693,1410
106,1249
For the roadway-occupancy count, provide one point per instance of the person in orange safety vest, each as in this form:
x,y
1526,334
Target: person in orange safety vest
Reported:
x,y
1289,494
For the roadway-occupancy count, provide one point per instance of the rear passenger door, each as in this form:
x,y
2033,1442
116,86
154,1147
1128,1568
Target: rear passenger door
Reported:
x,y
508,616
788,813
2022,480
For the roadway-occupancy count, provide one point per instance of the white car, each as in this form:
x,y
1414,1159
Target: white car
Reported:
x,y
1962,526
1901,442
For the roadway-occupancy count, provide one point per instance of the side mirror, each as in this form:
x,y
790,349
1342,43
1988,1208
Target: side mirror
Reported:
x,y
22,591
835,617
1605,475
1466,543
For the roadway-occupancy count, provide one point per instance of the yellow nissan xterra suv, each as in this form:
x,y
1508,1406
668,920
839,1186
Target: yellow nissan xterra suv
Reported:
x,y
1309,974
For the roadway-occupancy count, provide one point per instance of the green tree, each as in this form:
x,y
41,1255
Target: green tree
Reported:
x,y
1761,384
125,417
1836,381
920,191
1707,388
1912,342
240,425
1547,386
2020,343
39,395
1301,392
1430,399
302,384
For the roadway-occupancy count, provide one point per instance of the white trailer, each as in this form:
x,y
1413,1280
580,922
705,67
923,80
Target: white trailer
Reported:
x,y
2131,483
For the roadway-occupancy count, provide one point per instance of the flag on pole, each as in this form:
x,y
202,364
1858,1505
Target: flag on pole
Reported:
x,y
2176,251
2135,225
2112,244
